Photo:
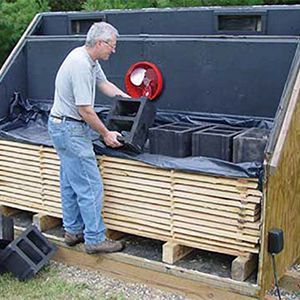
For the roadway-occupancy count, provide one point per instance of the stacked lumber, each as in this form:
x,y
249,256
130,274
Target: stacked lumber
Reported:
x,y
24,176
137,198
220,214
199,211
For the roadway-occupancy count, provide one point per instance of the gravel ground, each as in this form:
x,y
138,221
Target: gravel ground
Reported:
x,y
287,295
108,286
98,283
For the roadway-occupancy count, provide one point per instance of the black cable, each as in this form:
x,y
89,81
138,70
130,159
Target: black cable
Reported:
x,y
275,276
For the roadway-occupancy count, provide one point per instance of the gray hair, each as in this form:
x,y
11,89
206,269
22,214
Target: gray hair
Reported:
x,y
100,31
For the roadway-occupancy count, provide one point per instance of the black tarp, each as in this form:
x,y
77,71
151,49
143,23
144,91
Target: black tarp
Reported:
x,y
27,123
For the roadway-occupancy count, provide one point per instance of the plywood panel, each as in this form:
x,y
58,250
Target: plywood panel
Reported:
x,y
282,194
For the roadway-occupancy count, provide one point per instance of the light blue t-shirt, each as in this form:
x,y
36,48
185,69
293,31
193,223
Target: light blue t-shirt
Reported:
x,y
75,83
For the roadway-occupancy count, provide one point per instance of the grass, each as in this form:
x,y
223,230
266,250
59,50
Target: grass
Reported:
x,y
47,284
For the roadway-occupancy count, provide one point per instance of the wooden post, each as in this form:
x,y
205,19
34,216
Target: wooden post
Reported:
x,y
290,281
243,266
172,252
8,211
114,235
44,222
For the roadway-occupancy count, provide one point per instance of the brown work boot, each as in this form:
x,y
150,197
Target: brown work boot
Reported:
x,y
107,246
73,239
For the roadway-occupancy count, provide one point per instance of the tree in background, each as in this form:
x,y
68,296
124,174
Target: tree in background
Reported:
x,y
14,19
65,5
127,4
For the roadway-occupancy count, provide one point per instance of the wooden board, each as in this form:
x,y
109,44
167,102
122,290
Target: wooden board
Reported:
x,y
282,193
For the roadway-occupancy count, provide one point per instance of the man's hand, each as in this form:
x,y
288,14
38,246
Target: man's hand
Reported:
x,y
110,139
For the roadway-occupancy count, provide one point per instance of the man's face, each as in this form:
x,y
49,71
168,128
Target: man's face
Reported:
x,y
106,48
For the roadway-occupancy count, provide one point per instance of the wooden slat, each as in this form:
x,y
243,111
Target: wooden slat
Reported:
x,y
144,194
212,223
20,145
134,186
248,208
11,171
200,230
20,180
246,222
136,228
138,207
13,149
230,249
246,182
183,207
149,222
130,170
140,182
20,166
221,194
220,187
110,213
211,238
24,204
207,198
203,243
19,157
126,196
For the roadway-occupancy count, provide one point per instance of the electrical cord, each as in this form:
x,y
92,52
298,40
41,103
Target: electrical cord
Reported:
x,y
275,276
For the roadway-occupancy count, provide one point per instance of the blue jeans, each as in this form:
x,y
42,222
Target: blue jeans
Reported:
x,y
80,181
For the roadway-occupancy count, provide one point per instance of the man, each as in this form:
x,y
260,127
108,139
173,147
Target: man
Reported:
x,y
70,117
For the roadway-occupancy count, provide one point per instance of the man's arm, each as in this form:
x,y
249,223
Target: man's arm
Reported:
x,y
110,137
111,90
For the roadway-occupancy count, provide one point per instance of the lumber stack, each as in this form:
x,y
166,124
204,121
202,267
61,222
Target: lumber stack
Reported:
x,y
137,198
29,179
220,214
200,211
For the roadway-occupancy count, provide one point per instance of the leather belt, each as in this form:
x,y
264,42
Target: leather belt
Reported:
x,y
64,118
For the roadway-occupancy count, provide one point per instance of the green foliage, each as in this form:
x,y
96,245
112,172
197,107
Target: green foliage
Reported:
x,y
274,2
120,4
66,5
14,19
123,4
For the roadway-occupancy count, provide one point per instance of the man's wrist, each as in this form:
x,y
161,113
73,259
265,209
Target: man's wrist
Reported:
x,y
103,131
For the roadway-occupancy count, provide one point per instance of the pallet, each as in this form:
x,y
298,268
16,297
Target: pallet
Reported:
x,y
190,210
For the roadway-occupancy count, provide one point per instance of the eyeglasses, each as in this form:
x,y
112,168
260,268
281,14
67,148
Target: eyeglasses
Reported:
x,y
112,47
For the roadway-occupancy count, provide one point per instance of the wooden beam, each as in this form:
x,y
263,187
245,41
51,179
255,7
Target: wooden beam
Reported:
x,y
44,222
8,211
243,266
290,281
109,264
114,235
172,252
193,284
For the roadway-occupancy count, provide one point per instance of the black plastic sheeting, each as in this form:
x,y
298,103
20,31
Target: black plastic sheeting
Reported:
x,y
27,122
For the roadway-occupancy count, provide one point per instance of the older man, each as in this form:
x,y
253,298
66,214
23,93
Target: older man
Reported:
x,y
70,118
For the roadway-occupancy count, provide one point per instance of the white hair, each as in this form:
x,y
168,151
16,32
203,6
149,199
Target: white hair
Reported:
x,y
100,31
